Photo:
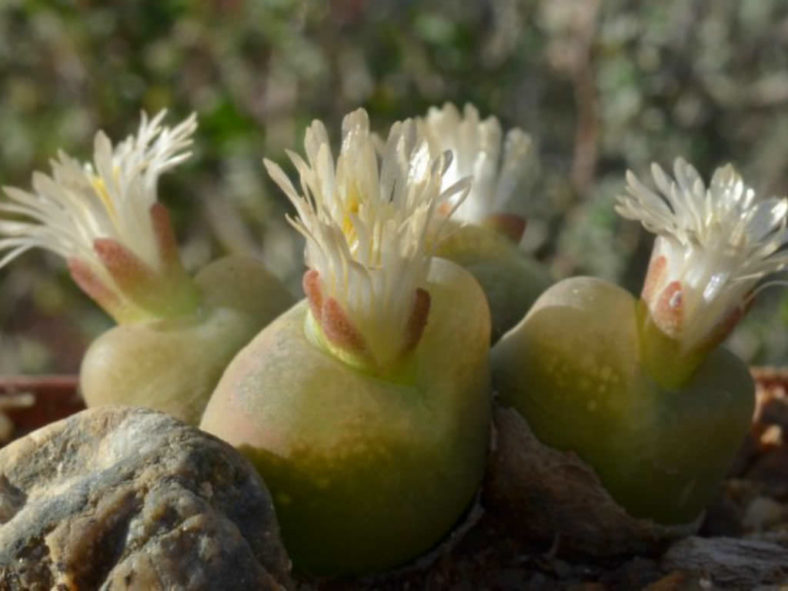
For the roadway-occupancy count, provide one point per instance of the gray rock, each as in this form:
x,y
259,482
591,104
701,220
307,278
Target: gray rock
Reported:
x,y
128,498
730,562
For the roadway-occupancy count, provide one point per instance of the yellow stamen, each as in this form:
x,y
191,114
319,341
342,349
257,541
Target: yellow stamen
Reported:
x,y
100,187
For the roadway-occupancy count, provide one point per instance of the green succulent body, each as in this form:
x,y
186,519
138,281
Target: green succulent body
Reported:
x,y
366,472
173,364
510,278
573,369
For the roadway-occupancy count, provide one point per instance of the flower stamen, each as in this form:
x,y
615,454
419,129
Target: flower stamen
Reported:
x,y
368,221
104,219
714,244
499,167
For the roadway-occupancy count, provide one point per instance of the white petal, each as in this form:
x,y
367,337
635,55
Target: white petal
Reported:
x,y
108,198
722,239
365,219
497,174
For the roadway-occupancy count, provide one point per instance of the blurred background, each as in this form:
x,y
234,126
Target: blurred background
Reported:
x,y
602,86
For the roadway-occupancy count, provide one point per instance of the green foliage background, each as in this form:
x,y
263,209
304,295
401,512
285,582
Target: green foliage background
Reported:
x,y
602,85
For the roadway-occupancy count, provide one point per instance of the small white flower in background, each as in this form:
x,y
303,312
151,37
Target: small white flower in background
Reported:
x,y
103,217
713,246
366,220
498,172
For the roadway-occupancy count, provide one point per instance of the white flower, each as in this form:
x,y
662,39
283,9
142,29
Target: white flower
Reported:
x,y
104,212
366,219
476,147
714,244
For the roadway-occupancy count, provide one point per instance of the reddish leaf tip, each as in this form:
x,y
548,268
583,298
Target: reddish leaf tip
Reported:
x,y
338,328
314,293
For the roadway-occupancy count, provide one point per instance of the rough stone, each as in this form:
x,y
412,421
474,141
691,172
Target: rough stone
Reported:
x,y
128,498
546,495
730,562
763,513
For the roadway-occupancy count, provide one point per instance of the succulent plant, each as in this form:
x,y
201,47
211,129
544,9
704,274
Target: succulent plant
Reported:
x,y
366,408
175,333
640,389
483,237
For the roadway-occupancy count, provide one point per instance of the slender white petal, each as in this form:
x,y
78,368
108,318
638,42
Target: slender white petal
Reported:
x,y
476,145
714,244
365,218
108,198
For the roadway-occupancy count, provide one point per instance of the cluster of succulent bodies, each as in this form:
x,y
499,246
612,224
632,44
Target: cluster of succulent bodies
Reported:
x,y
367,406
